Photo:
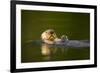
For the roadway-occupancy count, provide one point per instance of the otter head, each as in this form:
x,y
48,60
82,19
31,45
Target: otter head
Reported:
x,y
49,35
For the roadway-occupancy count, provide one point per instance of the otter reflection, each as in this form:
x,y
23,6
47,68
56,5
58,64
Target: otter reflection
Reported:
x,y
48,51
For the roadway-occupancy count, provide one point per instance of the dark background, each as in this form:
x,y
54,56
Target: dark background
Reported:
x,y
75,25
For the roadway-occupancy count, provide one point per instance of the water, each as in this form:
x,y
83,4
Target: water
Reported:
x,y
44,52
75,25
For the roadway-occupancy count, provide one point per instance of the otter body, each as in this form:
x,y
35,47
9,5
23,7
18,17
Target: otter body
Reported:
x,y
49,36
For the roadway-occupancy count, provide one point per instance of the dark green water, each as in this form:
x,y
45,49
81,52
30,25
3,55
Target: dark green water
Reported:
x,y
75,25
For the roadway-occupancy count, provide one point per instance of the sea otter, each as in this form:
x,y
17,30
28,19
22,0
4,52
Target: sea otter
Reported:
x,y
50,37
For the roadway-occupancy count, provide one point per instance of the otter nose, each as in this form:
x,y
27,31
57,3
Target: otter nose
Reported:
x,y
51,32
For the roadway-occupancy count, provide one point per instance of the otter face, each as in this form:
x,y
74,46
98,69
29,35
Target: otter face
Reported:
x,y
49,35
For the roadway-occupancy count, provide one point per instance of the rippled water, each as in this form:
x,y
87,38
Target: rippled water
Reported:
x,y
39,53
